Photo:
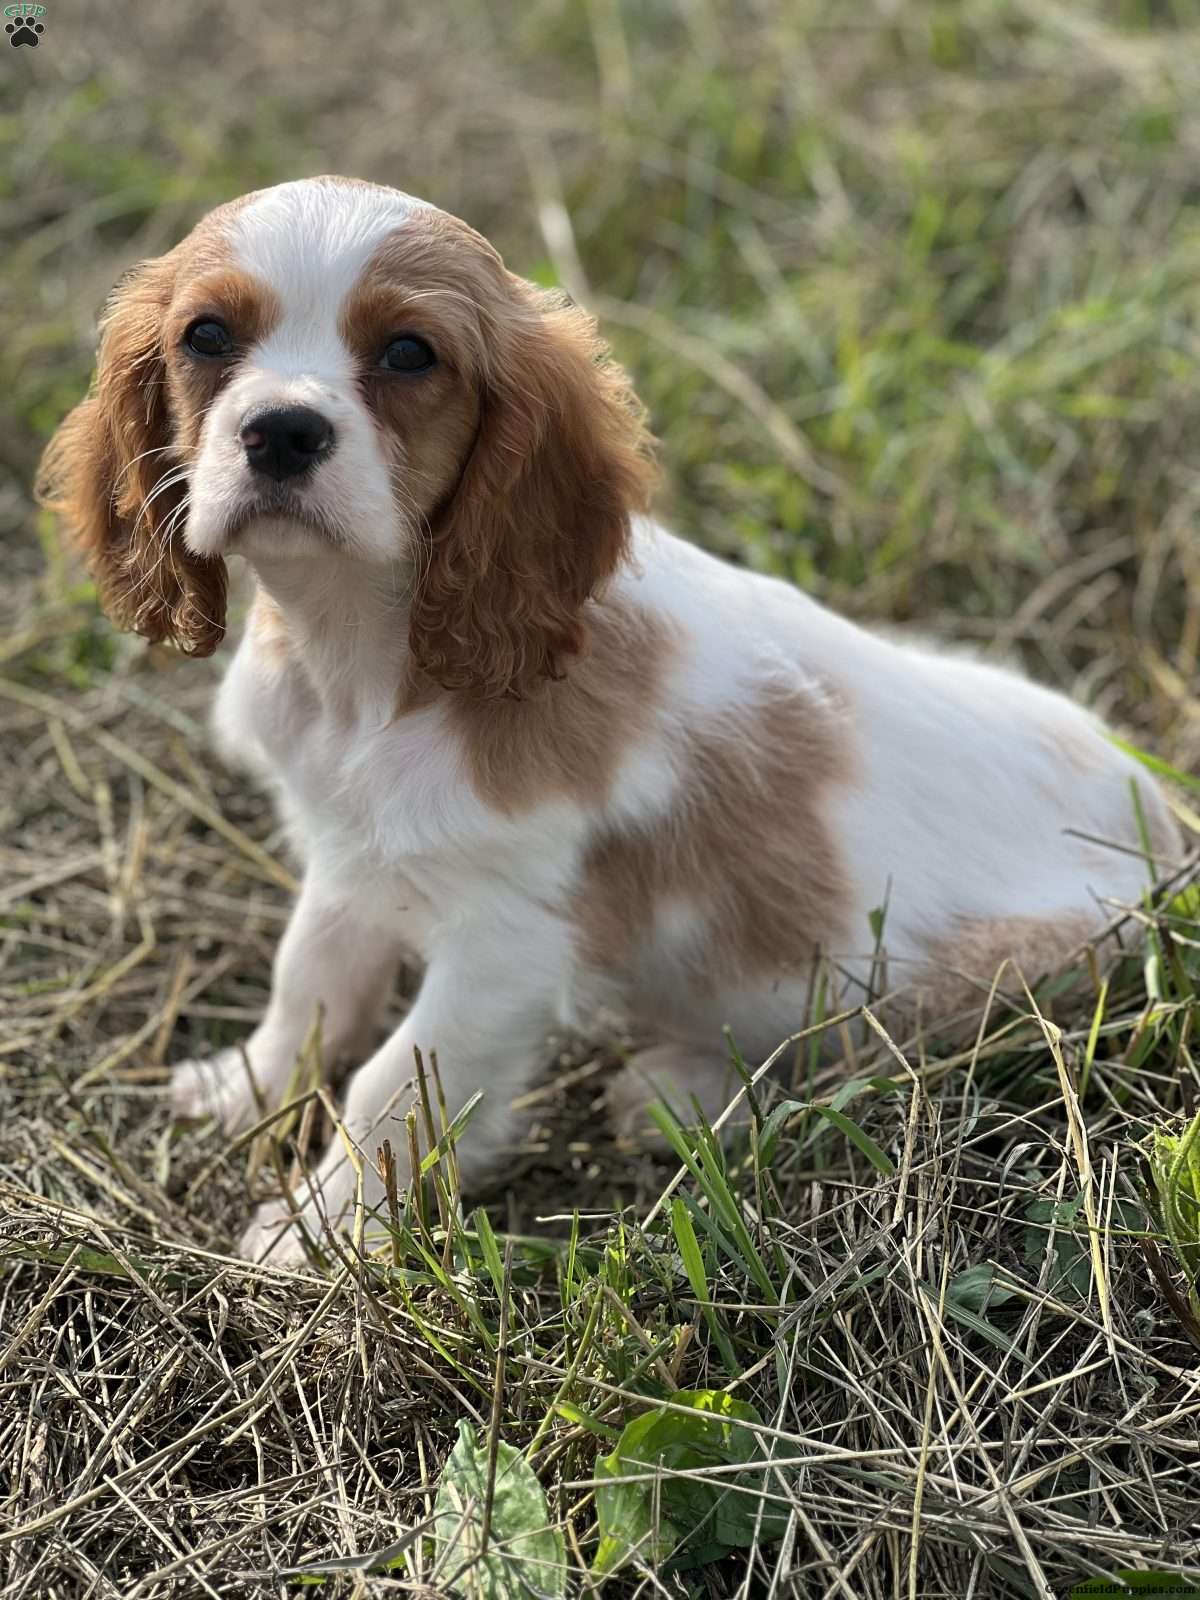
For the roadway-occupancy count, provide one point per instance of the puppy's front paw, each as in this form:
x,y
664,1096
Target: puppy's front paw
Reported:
x,y
697,1088
629,1100
278,1232
275,1236
219,1087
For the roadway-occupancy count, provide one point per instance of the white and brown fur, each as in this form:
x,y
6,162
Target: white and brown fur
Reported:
x,y
580,766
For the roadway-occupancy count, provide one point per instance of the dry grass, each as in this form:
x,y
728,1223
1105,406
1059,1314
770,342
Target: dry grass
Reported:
x,y
912,297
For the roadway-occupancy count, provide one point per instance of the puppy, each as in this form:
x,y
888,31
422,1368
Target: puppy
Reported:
x,y
579,766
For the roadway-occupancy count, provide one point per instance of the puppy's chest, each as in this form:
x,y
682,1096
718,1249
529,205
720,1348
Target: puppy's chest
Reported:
x,y
363,790
386,808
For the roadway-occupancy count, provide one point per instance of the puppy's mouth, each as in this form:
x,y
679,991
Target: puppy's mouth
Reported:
x,y
277,504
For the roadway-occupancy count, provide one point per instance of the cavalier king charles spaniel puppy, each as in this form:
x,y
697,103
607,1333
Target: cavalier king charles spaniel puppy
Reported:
x,y
579,767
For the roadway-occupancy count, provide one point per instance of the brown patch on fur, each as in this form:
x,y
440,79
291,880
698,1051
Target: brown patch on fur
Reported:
x,y
749,844
112,471
268,628
567,737
964,965
427,421
104,470
526,447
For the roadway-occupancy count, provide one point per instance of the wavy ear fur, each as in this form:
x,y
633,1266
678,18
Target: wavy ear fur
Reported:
x,y
111,476
541,514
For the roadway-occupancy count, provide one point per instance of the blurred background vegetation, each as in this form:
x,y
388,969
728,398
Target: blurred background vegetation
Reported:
x,y
910,289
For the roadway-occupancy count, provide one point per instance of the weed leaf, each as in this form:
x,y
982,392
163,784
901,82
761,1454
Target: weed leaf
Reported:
x,y
975,1288
661,1510
1129,1582
525,1557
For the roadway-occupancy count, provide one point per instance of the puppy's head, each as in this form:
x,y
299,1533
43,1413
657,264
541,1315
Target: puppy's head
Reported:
x,y
334,369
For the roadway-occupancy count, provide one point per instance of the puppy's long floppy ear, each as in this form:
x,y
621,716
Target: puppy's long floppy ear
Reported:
x,y
110,474
540,517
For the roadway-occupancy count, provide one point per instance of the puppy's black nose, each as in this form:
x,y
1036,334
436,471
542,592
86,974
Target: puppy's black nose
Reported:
x,y
286,442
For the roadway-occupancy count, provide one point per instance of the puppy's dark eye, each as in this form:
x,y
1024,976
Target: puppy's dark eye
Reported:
x,y
208,338
407,354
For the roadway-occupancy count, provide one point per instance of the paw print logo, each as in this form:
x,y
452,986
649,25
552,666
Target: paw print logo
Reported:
x,y
23,30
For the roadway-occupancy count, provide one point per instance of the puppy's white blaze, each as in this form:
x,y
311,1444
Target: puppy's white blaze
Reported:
x,y
304,351
311,239
309,243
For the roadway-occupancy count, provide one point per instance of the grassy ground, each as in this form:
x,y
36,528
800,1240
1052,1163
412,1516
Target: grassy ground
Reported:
x,y
913,294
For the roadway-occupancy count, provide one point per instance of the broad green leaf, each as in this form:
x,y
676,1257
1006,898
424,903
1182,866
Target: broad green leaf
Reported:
x,y
1167,1585
525,1556
673,1514
975,1288
628,1525
1071,1269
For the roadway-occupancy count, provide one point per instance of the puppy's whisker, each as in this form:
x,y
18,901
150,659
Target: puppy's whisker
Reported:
x,y
169,481
155,450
